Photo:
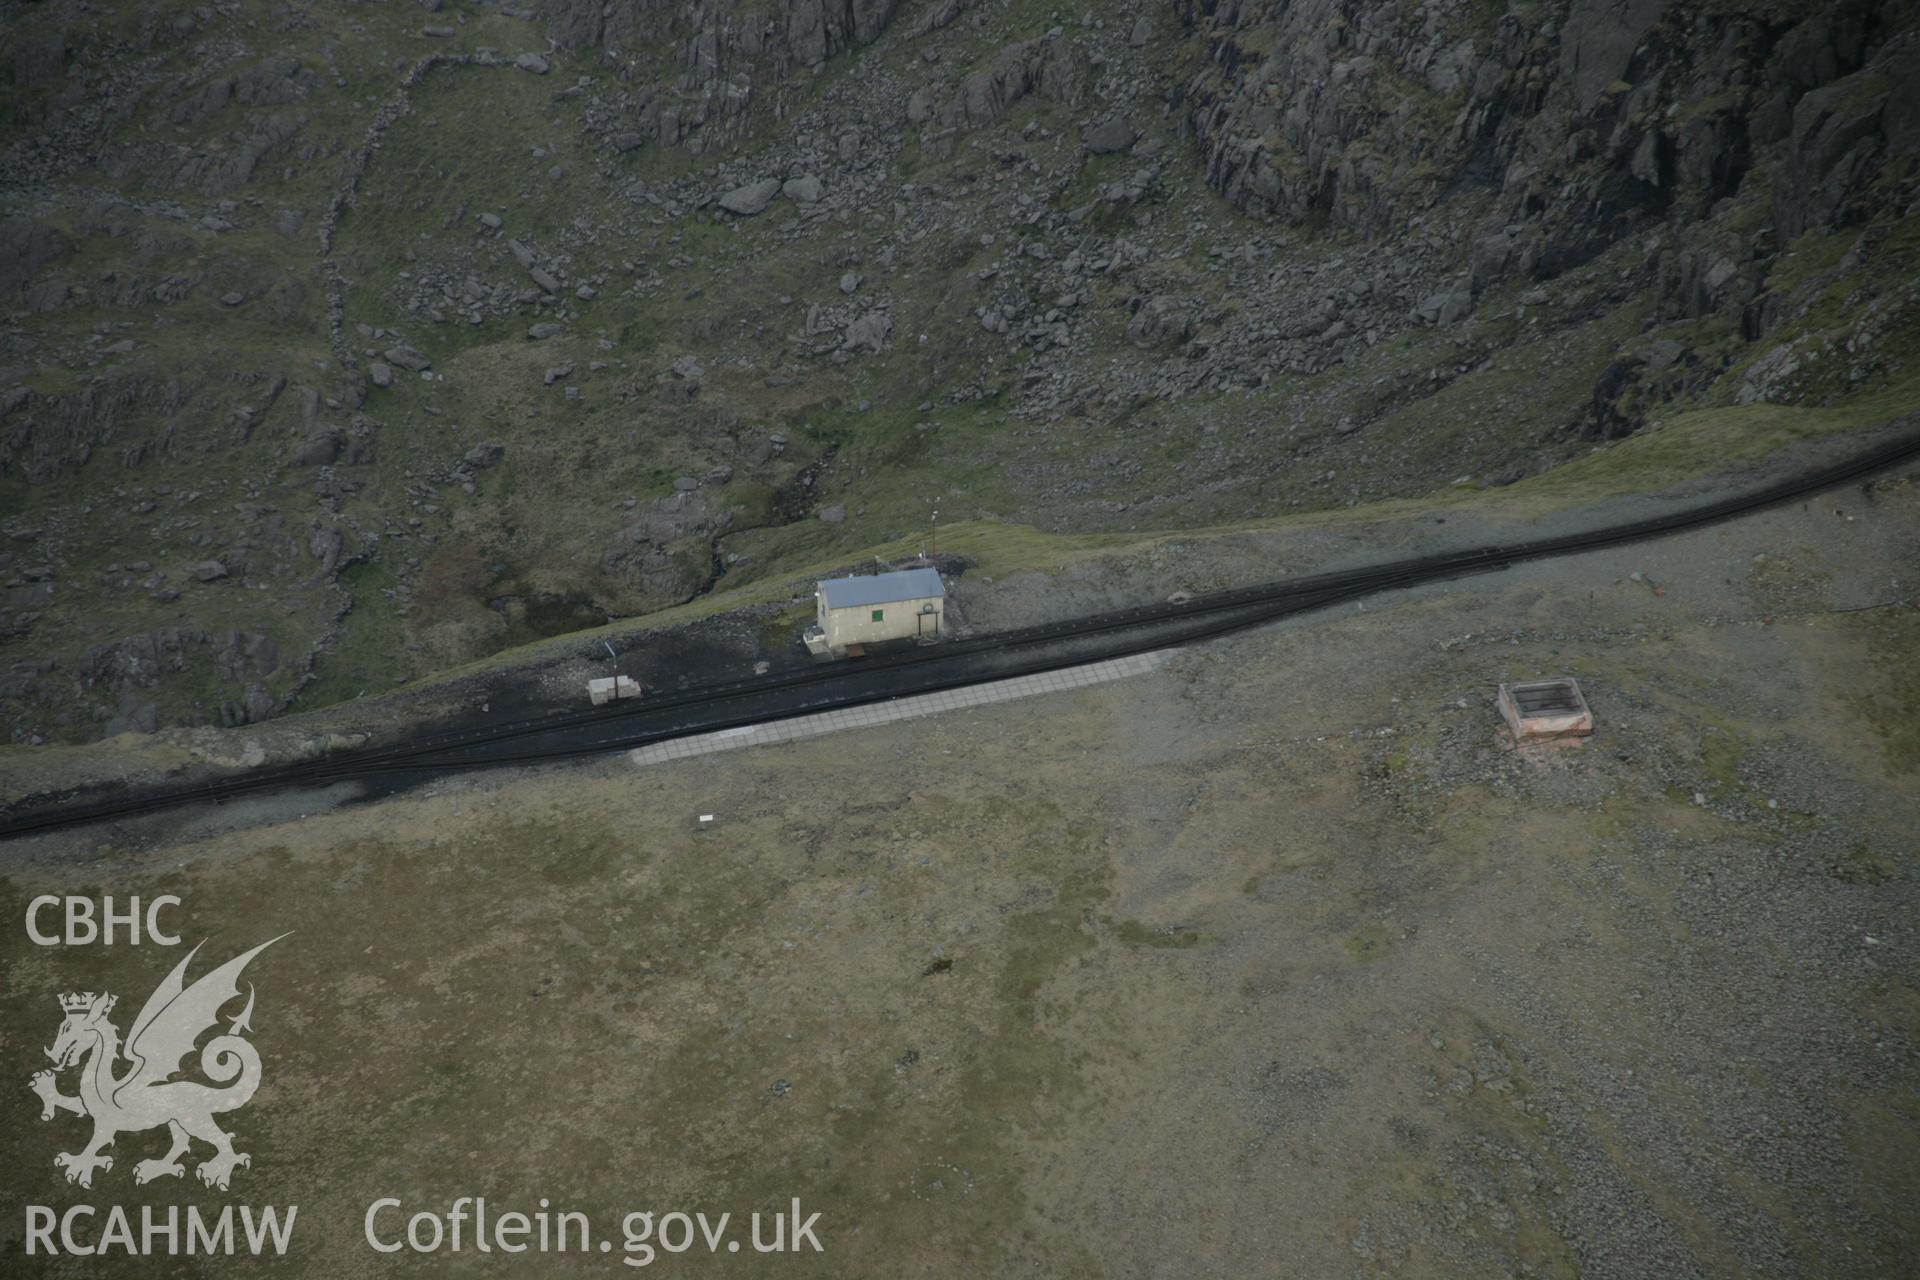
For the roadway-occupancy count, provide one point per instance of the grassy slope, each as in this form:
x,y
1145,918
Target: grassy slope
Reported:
x,y
1690,446
1008,488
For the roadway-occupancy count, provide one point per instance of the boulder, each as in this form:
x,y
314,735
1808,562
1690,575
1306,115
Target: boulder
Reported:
x,y
751,199
48,295
1489,259
1160,322
1109,136
870,331
318,450
256,705
805,189
1449,306
408,358
133,717
533,62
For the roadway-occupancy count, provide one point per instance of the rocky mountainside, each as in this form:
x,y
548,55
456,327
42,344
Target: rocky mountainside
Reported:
x,y
344,343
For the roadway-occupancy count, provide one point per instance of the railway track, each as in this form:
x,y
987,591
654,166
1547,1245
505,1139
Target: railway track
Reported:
x,y
1025,651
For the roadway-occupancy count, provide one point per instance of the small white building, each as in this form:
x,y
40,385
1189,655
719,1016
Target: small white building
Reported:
x,y
905,605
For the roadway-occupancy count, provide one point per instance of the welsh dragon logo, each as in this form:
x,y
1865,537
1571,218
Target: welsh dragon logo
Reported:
x,y
147,1095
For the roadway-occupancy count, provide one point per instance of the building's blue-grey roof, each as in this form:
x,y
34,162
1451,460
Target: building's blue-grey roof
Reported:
x,y
881,588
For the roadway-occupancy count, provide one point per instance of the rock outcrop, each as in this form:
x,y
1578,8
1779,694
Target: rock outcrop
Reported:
x,y
1052,67
729,54
663,554
27,246
1559,127
41,435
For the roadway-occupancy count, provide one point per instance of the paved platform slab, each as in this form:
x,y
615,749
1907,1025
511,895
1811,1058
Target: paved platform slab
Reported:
x,y
878,713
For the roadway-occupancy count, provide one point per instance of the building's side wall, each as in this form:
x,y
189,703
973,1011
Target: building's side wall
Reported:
x,y
901,621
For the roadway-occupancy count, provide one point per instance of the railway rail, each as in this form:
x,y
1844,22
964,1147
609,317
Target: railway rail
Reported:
x,y
971,660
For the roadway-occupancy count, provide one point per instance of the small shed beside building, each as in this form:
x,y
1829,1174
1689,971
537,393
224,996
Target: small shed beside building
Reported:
x,y
904,605
611,688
